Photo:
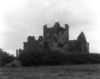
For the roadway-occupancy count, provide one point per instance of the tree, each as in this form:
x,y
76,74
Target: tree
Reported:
x,y
5,58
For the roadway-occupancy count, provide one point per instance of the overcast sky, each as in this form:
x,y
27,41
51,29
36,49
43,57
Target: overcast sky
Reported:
x,y
21,18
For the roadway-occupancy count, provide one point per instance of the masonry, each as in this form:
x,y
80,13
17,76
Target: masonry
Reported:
x,y
56,38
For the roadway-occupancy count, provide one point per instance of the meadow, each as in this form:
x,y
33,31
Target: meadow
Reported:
x,y
89,71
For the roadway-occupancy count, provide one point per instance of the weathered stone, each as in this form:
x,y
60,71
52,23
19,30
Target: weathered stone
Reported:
x,y
57,38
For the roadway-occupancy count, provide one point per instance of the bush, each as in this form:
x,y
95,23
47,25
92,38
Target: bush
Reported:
x,y
5,58
41,58
37,58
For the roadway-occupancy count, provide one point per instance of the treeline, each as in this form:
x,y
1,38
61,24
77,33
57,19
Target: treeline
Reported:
x,y
38,58
5,58
48,58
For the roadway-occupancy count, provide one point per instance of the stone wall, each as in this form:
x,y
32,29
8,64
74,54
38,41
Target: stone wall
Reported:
x,y
56,33
57,38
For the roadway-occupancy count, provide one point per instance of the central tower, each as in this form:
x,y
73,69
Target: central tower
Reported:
x,y
56,33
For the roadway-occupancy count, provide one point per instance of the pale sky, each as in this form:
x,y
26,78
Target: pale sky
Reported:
x,y
21,18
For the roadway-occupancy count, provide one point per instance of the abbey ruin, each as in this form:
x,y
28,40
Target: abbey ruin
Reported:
x,y
56,38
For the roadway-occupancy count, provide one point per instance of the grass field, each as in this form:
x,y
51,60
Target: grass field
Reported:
x,y
52,72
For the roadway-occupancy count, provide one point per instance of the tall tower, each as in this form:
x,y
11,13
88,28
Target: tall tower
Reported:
x,y
67,32
44,32
17,53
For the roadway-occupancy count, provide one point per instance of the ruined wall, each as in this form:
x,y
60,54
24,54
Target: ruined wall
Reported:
x,y
32,44
56,33
82,43
57,38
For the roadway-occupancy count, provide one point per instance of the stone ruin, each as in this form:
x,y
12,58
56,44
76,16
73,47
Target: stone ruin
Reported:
x,y
56,38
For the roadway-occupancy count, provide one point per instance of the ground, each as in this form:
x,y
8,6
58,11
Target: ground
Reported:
x,y
90,71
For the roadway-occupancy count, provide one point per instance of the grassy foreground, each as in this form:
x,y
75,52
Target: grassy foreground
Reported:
x,y
52,72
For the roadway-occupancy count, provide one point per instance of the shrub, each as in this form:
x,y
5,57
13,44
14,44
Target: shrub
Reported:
x,y
57,58
5,58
